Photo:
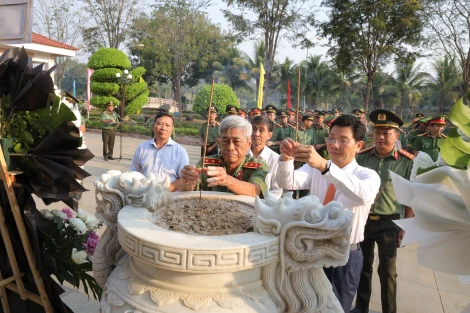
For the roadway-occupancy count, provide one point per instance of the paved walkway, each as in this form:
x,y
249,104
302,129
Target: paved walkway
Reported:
x,y
420,290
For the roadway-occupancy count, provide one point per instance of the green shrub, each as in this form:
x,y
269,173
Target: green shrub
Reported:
x,y
136,104
223,96
134,90
142,130
109,57
100,101
104,89
137,72
106,75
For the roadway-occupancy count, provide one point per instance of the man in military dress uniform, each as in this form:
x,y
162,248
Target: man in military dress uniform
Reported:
x,y
287,129
233,170
320,132
421,128
415,121
213,134
383,158
291,119
109,121
242,113
431,141
231,110
278,134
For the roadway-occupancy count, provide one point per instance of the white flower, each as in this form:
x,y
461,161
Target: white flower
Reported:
x,y
79,257
47,214
60,214
78,225
90,221
422,160
81,214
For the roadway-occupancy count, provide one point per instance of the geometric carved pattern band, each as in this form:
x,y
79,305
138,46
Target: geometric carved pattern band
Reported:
x,y
215,260
261,254
163,256
128,243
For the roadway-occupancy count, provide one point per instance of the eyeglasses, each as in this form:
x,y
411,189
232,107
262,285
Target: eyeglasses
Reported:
x,y
340,142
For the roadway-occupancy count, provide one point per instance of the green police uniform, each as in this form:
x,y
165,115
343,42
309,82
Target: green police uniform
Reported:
x,y
402,138
319,137
426,143
250,170
379,227
288,131
108,132
278,135
211,137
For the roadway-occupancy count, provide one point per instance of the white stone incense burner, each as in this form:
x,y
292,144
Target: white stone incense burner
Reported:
x,y
276,268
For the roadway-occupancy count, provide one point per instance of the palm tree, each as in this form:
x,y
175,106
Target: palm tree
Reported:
x,y
253,64
318,81
409,81
233,70
282,73
344,90
445,80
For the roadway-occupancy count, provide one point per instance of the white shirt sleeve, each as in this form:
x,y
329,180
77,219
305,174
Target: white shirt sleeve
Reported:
x,y
361,189
302,177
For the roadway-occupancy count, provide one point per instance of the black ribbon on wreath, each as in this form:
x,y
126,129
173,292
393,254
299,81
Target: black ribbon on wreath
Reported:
x,y
54,166
33,219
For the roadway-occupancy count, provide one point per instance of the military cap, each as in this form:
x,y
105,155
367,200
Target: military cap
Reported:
x,y
241,111
419,115
328,113
362,111
314,111
320,113
290,112
213,109
385,118
357,111
255,111
270,109
308,116
110,102
70,98
231,109
282,113
441,119
330,119
335,110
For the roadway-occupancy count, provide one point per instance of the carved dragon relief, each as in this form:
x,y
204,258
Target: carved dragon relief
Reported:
x,y
113,191
312,236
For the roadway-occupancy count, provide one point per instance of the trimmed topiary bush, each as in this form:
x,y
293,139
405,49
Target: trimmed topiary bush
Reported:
x,y
134,90
106,75
138,72
108,89
223,96
136,104
100,102
109,57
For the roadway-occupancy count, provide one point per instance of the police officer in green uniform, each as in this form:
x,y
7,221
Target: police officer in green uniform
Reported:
x,y
291,119
431,141
287,129
383,157
402,138
448,129
320,131
109,121
232,170
278,134
421,128
213,134
360,115
415,121
242,113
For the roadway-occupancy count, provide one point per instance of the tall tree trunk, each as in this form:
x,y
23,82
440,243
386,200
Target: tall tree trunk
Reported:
x,y
177,96
367,98
402,103
439,103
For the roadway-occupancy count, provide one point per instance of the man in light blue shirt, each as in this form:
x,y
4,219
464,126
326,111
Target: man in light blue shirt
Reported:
x,y
161,155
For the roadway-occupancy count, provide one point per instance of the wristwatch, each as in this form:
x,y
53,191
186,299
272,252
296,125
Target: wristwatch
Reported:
x,y
327,168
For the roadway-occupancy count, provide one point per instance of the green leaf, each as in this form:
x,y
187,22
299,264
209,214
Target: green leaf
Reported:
x,y
455,151
460,116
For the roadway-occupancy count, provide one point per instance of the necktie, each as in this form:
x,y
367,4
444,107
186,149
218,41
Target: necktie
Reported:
x,y
330,194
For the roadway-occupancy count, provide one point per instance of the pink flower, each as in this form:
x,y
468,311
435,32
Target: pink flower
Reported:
x,y
91,243
68,212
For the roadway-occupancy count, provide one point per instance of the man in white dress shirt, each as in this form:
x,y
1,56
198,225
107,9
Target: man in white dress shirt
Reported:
x,y
262,132
340,179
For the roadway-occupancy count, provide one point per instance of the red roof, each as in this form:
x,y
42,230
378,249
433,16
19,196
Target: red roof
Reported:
x,y
43,40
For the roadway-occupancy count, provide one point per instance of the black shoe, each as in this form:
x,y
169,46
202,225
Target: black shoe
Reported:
x,y
106,159
111,158
356,310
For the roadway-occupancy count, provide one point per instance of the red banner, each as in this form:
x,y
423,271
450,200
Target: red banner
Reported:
x,y
88,91
289,104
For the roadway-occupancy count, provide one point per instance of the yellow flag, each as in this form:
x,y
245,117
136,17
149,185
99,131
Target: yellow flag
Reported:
x,y
261,83
141,80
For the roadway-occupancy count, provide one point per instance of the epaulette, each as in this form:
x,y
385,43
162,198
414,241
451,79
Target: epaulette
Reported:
x,y
278,125
218,124
253,165
407,154
401,130
443,136
212,161
420,135
366,149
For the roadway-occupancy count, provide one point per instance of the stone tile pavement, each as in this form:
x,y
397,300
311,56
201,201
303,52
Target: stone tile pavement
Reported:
x,y
420,290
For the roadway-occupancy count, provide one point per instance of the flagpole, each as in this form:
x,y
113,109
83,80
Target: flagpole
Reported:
x,y
297,122
206,137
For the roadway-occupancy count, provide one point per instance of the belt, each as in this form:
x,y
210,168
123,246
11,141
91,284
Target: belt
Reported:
x,y
375,217
354,247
